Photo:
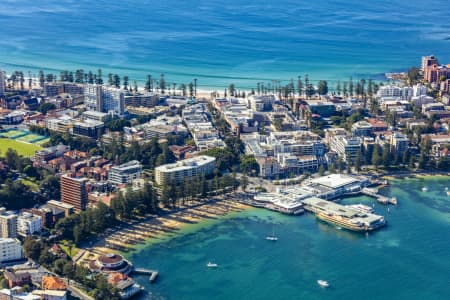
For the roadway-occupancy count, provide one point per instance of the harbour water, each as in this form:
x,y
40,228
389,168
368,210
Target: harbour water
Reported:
x,y
223,41
408,259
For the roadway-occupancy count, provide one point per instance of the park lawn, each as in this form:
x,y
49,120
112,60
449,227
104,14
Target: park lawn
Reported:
x,y
23,149
31,184
65,247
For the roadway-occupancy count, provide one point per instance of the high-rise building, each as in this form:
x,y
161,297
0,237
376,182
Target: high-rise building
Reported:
x,y
8,224
2,82
428,61
73,191
104,98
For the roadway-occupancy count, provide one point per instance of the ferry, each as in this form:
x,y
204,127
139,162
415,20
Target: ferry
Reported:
x,y
342,222
353,224
362,208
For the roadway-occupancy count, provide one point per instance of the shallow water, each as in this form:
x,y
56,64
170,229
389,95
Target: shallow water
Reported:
x,y
408,259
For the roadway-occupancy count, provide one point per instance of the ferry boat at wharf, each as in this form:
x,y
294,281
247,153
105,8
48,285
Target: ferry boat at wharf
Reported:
x,y
344,216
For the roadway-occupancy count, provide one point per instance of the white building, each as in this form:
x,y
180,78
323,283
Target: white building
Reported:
x,y
125,173
2,82
346,147
261,103
392,91
104,99
419,90
10,249
28,224
191,167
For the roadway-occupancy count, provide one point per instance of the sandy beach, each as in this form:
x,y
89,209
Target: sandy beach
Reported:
x,y
124,238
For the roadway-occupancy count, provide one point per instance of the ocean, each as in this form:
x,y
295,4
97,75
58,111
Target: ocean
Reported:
x,y
220,42
408,259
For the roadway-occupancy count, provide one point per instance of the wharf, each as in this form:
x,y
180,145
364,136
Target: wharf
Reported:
x,y
380,198
153,273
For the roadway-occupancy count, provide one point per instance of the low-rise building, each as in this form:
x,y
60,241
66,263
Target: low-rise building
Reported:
x,y
88,128
362,128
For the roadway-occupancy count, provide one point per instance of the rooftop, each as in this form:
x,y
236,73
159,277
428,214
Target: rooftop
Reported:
x,y
335,180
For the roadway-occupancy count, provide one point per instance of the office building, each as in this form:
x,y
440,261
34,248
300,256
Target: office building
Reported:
x,y
73,191
175,173
8,224
10,249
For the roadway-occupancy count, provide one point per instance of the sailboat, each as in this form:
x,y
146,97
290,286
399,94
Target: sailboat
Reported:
x,y
272,237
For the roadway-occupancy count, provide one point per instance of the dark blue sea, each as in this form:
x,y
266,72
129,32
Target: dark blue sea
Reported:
x,y
221,42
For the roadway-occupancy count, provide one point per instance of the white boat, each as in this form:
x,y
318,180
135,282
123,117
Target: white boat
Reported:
x,y
212,265
272,237
323,283
424,189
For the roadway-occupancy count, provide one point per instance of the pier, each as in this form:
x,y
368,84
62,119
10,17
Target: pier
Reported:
x,y
141,271
380,198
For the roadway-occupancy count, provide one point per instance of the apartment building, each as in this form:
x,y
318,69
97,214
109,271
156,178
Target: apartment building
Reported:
x,y
8,224
73,191
125,173
104,99
10,249
187,168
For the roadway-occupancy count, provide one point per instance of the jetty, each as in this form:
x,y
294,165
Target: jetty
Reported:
x,y
142,271
380,198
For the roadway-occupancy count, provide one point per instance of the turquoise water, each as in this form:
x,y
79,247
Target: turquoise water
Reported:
x,y
220,42
409,259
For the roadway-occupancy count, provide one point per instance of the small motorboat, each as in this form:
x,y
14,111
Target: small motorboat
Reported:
x,y
448,193
424,189
271,238
323,283
212,265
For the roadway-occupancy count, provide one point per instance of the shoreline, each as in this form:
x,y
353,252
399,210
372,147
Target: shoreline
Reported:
x,y
153,229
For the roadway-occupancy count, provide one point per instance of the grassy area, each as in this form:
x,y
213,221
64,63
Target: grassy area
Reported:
x,y
31,184
65,247
21,148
